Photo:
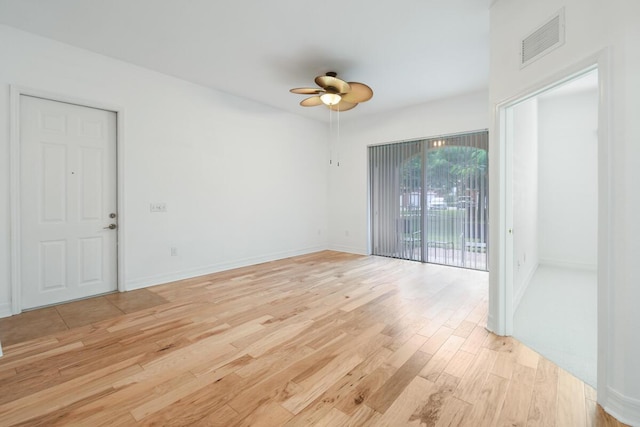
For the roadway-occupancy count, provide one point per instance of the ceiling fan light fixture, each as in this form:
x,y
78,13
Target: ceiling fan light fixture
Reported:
x,y
330,98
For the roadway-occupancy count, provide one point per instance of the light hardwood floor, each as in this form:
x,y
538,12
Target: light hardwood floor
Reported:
x,y
326,339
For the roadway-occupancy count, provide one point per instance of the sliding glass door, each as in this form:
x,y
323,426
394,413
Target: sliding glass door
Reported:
x,y
429,200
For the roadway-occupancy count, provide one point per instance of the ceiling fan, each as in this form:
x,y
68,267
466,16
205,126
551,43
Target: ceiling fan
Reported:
x,y
335,93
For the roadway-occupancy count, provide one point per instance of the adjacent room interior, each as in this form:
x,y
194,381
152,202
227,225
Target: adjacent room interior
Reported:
x,y
555,210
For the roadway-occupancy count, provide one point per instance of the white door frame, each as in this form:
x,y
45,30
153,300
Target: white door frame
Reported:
x,y
502,310
14,182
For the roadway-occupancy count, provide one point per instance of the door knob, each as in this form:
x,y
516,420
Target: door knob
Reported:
x,y
110,227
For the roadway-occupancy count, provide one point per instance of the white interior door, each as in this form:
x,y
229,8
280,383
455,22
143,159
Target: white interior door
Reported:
x,y
67,201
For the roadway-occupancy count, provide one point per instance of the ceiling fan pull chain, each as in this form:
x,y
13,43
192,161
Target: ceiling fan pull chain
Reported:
x,y
330,137
338,138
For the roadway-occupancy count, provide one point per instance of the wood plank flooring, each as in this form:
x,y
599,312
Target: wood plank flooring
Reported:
x,y
326,339
50,320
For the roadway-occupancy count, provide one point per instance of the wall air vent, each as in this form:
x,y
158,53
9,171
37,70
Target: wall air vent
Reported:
x,y
546,38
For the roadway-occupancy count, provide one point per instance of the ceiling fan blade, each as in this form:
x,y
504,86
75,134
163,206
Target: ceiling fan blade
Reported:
x,y
306,90
360,92
343,106
330,82
311,102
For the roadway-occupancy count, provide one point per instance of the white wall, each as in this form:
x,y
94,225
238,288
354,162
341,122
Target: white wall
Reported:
x,y
348,203
525,196
568,160
591,26
243,182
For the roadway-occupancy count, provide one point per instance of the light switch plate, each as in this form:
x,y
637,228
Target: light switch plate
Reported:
x,y
158,207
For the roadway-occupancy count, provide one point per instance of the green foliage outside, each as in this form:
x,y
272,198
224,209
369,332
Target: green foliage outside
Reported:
x,y
447,168
452,172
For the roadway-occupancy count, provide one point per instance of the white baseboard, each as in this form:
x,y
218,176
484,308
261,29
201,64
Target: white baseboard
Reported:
x,y
5,309
518,297
567,264
145,282
491,327
349,249
623,408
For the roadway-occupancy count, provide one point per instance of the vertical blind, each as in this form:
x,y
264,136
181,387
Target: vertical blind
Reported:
x,y
429,200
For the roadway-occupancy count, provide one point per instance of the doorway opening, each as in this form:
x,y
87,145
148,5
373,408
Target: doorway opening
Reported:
x,y
552,210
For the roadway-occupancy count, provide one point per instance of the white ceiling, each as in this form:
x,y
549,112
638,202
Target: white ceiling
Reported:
x,y
408,51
